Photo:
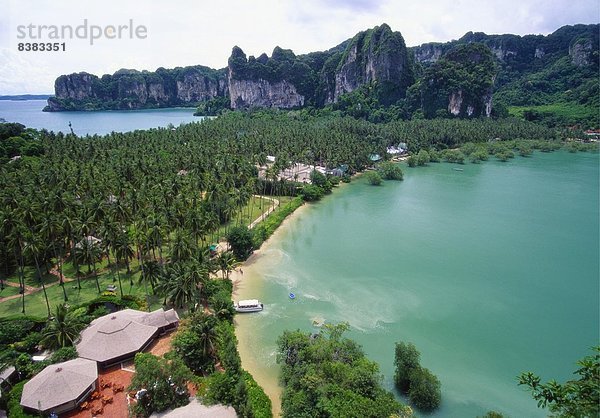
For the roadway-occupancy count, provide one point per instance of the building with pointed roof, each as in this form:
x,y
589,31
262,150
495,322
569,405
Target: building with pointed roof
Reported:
x,y
60,387
118,336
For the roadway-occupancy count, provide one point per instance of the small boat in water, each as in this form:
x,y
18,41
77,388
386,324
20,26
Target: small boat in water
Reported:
x,y
250,305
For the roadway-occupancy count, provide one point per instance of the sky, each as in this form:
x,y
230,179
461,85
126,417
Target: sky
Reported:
x,y
190,32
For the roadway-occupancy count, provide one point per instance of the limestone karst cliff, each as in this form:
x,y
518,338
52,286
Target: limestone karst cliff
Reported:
x,y
255,83
131,89
375,55
374,66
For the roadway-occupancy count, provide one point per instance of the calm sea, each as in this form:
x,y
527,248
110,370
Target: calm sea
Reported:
x,y
29,113
489,271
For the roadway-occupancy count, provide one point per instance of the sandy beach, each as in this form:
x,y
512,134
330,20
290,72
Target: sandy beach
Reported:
x,y
248,285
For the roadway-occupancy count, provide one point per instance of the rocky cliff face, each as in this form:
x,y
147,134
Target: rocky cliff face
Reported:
x,y
130,89
460,83
581,52
76,86
264,82
376,59
376,55
428,53
579,41
262,93
458,106
194,87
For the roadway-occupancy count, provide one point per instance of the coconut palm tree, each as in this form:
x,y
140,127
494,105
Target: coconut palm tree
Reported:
x,y
50,231
35,248
182,247
177,289
205,327
226,262
152,274
123,249
88,251
62,330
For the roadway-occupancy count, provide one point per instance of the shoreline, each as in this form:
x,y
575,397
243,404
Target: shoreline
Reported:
x,y
249,284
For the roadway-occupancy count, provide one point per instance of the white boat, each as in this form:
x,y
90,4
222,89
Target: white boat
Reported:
x,y
250,305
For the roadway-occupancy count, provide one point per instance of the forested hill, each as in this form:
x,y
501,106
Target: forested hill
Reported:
x,y
375,76
535,73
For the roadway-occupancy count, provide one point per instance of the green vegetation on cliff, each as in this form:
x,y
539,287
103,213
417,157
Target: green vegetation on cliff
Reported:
x,y
466,75
131,89
545,75
373,76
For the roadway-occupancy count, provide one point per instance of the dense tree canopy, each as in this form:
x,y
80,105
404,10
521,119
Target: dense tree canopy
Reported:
x,y
574,398
327,375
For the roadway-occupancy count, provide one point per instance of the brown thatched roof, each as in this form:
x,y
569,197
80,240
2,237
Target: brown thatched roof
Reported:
x,y
113,336
158,318
59,383
122,333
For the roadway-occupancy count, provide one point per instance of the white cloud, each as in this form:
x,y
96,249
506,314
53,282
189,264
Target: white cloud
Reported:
x,y
187,32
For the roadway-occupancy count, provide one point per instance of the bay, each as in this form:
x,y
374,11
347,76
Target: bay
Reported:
x,y
489,271
29,113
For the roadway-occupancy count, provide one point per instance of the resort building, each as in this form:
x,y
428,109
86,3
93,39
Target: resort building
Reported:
x,y
107,341
60,387
7,378
118,336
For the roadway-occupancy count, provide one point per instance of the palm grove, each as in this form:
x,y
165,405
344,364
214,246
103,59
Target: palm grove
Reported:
x,y
140,210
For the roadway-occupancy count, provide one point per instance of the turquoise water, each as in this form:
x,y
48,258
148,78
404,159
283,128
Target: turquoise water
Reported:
x,y
29,113
490,271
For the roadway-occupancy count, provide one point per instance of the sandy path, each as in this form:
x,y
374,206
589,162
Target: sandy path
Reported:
x,y
265,214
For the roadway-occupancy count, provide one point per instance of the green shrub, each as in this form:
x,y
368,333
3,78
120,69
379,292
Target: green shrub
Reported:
x,y
425,390
15,410
227,347
240,239
479,155
259,403
12,331
434,156
453,156
504,155
406,360
63,354
492,414
311,193
221,388
188,345
373,178
165,379
390,171
422,387
29,343
221,304
423,157
266,228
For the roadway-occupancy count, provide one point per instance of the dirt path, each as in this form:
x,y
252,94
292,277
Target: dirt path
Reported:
x,y
12,284
30,289
265,214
